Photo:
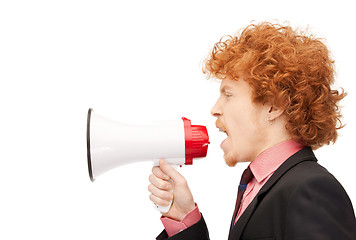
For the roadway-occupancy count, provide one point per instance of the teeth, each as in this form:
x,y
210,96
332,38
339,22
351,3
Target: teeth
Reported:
x,y
221,130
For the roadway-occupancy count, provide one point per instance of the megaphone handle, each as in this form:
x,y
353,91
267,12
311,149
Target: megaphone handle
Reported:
x,y
165,209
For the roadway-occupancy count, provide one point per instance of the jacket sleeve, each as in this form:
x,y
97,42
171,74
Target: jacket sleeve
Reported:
x,y
320,208
198,231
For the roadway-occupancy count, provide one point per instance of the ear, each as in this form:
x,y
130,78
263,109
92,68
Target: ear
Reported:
x,y
274,112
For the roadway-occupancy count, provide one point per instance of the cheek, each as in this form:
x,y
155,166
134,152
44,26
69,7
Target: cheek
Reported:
x,y
246,130
242,124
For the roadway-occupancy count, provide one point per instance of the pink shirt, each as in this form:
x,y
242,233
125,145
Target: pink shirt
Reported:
x,y
262,168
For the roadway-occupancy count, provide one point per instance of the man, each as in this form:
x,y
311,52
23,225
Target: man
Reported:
x,y
276,105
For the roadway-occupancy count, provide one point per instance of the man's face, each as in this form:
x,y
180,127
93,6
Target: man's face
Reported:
x,y
243,121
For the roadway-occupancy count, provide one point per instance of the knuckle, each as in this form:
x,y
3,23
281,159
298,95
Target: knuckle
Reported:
x,y
156,170
164,176
163,185
151,177
167,186
163,202
168,196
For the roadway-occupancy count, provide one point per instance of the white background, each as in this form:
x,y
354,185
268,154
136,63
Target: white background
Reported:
x,y
132,61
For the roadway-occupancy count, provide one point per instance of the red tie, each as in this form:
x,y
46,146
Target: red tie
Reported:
x,y
245,179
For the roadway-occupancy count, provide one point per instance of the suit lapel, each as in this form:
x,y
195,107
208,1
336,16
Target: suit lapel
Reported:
x,y
306,154
237,230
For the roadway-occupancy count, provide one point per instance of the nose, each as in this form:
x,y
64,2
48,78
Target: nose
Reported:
x,y
215,110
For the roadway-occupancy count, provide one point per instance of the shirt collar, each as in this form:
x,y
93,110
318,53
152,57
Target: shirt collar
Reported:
x,y
270,159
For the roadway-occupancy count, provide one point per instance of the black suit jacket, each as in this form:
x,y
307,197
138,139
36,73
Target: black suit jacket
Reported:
x,y
301,200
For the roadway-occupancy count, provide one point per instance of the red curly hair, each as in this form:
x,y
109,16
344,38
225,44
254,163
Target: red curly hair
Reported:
x,y
287,69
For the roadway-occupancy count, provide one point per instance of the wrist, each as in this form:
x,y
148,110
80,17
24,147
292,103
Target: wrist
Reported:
x,y
190,209
185,212
173,226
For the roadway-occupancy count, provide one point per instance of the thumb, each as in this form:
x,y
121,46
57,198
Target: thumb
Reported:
x,y
169,170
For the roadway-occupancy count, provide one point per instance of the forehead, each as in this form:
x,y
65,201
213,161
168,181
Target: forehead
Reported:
x,y
240,87
227,84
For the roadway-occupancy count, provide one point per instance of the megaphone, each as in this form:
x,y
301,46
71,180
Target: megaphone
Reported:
x,y
111,144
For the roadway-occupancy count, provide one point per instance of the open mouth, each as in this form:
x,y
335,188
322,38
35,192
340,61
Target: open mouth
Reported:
x,y
221,127
223,130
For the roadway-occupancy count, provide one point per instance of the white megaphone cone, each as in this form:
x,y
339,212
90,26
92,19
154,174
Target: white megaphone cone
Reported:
x,y
112,144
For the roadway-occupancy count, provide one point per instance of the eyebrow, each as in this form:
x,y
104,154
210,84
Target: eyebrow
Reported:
x,y
224,88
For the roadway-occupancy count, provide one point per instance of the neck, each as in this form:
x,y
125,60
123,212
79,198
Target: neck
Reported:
x,y
275,133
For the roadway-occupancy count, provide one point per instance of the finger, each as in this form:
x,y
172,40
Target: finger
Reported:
x,y
158,201
159,183
165,195
158,172
169,170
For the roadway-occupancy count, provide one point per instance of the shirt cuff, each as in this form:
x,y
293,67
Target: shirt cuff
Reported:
x,y
173,227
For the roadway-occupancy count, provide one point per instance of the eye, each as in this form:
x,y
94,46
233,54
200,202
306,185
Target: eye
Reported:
x,y
228,95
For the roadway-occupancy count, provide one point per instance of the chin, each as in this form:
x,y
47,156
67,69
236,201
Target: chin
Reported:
x,y
230,160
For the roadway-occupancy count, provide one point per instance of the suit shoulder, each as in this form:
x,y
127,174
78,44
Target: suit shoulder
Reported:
x,y
316,200
309,181
307,171
308,175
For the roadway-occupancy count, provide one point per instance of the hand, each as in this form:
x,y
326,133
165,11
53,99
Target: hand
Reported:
x,y
160,188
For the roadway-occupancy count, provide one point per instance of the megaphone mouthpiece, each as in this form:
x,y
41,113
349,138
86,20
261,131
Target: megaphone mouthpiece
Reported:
x,y
196,141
